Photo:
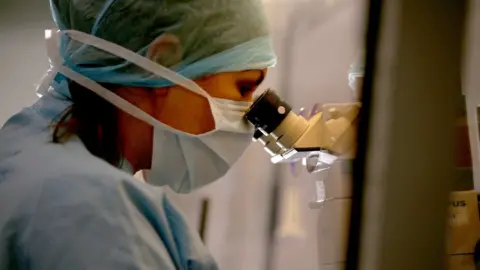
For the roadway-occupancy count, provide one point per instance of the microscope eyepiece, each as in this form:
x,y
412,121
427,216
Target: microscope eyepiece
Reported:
x,y
268,111
289,137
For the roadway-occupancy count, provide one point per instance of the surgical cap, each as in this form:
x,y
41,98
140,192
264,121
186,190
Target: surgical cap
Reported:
x,y
192,37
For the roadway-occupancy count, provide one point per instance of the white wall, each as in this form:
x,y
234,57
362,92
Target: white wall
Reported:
x,y
23,59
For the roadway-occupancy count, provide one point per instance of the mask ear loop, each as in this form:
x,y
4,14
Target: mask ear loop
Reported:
x,y
45,81
117,101
220,120
146,64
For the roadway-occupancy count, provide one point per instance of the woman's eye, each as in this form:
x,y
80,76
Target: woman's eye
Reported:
x,y
246,89
250,80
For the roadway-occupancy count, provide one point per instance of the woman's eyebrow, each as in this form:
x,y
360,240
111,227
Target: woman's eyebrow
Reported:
x,y
249,79
261,78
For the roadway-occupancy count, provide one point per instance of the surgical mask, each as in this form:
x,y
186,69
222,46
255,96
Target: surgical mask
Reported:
x,y
180,160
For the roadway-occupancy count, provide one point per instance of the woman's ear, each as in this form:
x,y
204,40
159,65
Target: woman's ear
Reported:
x,y
165,50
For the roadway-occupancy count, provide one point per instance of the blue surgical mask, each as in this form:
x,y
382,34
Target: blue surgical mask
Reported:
x,y
180,160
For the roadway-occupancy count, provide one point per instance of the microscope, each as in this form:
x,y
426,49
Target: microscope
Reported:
x,y
316,142
325,143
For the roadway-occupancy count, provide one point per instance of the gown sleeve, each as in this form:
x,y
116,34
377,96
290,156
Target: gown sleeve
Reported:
x,y
83,223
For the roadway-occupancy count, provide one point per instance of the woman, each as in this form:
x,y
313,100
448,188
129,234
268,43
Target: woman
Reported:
x,y
119,98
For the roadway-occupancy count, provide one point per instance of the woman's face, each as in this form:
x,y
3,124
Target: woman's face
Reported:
x,y
184,110
179,108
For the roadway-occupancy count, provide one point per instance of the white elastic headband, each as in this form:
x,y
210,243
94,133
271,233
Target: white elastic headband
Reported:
x,y
56,61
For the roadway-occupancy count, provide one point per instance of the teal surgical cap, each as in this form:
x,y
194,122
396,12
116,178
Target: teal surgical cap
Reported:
x,y
192,37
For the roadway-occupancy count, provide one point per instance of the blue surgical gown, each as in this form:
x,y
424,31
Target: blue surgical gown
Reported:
x,y
63,208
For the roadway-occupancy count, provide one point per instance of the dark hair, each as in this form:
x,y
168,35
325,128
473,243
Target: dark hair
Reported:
x,y
94,120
